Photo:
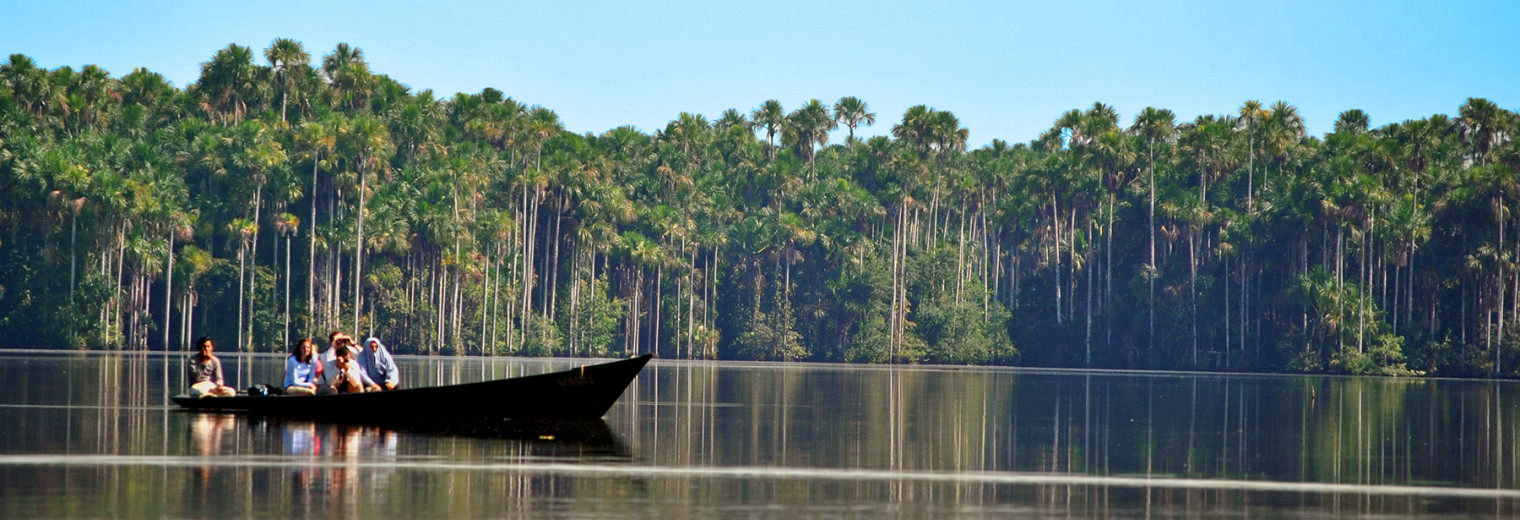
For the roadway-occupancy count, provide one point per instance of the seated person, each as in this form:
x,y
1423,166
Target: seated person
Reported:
x,y
377,363
204,372
301,370
336,339
348,376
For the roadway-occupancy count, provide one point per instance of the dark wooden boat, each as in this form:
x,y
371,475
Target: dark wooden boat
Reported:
x,y
586,392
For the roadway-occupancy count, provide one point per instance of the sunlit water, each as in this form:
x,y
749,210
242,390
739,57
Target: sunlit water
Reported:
x,y
92,435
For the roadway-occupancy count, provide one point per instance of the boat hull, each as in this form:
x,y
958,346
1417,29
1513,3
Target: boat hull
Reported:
x,y
586,392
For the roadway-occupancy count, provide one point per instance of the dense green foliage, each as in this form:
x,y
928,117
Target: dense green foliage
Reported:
x,y
267,202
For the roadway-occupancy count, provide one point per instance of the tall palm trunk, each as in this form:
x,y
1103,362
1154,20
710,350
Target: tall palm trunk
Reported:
x,y
1055,225
1087,266
241,256
286,338
168,294
1108,273
359,249
311,265
485,300
1193,286
253,261
1150,278
892,319
74,234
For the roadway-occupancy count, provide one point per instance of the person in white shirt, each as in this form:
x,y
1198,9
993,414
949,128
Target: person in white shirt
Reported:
x,y
337,339
301,370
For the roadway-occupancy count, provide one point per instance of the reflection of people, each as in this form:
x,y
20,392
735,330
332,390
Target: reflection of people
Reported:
x,y
205,372
301,370
377,363
348,376
206,432
206,435
301,438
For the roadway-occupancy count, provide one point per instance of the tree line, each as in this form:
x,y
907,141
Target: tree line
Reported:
x,y
279,198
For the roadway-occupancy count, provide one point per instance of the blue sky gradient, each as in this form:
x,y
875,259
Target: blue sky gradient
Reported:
x,y
1006,69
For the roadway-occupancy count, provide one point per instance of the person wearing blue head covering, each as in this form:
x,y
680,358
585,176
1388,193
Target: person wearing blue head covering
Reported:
x,y
377,363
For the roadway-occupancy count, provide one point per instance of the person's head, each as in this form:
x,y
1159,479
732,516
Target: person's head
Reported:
x,y
341,358
204,345
332,337
373,344
302,350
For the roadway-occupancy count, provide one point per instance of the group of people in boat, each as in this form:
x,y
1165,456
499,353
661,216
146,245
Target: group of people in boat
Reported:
x,y
343,368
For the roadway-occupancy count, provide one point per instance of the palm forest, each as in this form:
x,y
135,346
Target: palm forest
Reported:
x,y
285,197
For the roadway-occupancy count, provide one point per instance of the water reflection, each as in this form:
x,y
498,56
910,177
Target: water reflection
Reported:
x,y
90,435
1145,440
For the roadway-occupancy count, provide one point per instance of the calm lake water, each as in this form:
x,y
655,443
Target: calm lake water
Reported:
x,y
92,435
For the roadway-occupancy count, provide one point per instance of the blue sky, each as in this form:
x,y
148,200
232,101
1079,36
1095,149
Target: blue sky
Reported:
x,y
1006,69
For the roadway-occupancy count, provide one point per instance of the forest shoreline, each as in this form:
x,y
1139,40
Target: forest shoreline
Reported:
x,y
306,195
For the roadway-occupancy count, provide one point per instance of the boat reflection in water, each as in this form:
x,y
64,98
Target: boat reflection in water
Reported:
x,y
213,434
331,463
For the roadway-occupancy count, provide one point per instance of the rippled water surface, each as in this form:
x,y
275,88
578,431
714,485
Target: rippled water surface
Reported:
x,y
92,435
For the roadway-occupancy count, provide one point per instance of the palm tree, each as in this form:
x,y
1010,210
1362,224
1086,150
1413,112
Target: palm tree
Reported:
x,y
1251,115
92,87
261,156
1153,124
915,128
541,125
372,145
852,112
228,79
178,227
28,85
1482,122
287,225
772,117
318,137
1115,154
811,124
1352,122
731,118
690,131
151,92
290,62
246,231
1281,131
349,77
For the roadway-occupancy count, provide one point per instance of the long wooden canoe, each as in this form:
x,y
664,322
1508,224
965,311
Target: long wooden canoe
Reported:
x,y
586,392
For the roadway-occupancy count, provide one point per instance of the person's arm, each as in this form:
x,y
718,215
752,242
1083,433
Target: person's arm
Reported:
x,y
364,378
216,371
316,371
392,372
